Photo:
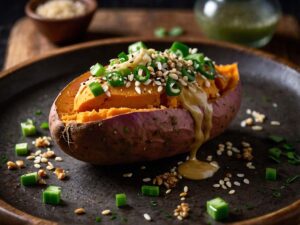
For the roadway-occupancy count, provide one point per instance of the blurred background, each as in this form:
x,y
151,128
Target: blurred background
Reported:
x,y
12,10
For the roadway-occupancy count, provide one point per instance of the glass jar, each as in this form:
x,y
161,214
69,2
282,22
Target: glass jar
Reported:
x,y
248,22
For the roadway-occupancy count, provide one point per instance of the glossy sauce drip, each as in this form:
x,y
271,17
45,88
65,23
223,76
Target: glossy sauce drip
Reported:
x,y
195,101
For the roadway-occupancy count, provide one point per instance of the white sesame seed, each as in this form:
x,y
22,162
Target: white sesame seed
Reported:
x,y
183,83
226,179
38,152
248,111
138,90
130,77
236,183
37,165
187,158
224,187
228,184
221,182
179,217
148,82
58,159
231,192
257,128
105,87
209,158
179,176
147,179
216,185
168,191
275,105
127,174
207,83
214,163
229,153
108,94
182,199
275,123
44,160
173,76
143,167
236,150
246,181
147,217
180,162
185,189
31,157
219,152
128,84
245,144
159,89
106,212
137,83
240,175
36,161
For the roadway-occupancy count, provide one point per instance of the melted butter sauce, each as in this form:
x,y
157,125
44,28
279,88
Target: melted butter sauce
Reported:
x,y
196,102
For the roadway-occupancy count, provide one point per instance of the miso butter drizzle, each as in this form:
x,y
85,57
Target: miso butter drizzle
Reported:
x,y
194,100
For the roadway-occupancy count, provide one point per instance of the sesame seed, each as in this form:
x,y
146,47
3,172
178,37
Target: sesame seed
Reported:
x,y
143,167
229,153
240,175
44,160
275,105
231,192
183,83
221,182
147,217
137,83
182,199
148,82
209,158
185,189
31,157
173,76
79,211
128,84
180,162
236,183
38,152
246,181
216,185
106,212
147,179
226,179
214,163
37,165
138,90
275,123
36,161
108,94
159,89
224,187
228,184
179,218
234,149
168,191
245,144
219,152
248,111
257,128
130,77
127,174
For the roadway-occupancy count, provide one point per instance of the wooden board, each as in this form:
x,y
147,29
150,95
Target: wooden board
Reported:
x,y
26,42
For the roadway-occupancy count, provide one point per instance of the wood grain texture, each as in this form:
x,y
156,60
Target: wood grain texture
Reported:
x,y
26,42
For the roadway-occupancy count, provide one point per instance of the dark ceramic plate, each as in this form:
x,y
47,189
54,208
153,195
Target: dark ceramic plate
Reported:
x,y
34,85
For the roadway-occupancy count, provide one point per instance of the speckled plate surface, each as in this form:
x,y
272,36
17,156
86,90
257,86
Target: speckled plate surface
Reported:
x,y
33,86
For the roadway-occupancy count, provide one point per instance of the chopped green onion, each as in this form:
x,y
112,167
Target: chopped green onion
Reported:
x,y
97,70
115,79
96,88
199,57
136,47
28,128
38,112
21,149
176,31
172,87
98,219
276,138
217,208
150,190
288,147
29,179
275,152
113,61
291,155
160,32
125,72
123,57
271,174
294,161
141,73
179,49
44,125
52,195
274,159
190,75
292,179
207,69
121,200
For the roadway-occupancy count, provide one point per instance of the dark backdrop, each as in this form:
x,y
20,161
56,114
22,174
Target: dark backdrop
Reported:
x,y
11,10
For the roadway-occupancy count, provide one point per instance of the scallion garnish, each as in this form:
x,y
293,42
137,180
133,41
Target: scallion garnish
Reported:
x,y
21,149
141,73
275,152
97,70
217,208
52,195
288,147
179,49
29,179
150,190
271,174
44,125
96,88
115,79
189,74
292,179
276,138
172,87
121,200
28,128
123,57
136,47
160,32
176,31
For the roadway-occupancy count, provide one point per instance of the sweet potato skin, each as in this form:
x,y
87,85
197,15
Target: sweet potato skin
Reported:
x,y
139,136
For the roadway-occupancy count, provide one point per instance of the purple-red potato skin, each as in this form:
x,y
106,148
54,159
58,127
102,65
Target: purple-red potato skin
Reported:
x,y
139,136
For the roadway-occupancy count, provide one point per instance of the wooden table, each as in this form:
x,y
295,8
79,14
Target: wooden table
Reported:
x,y
26,42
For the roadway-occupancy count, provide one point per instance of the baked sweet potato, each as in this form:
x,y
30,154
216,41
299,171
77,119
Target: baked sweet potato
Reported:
x,y
128,126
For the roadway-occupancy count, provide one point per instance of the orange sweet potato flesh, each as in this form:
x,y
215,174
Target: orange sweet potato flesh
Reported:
x,y
82,106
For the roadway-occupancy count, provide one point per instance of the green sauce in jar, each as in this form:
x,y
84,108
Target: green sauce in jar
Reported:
x,y
248,22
